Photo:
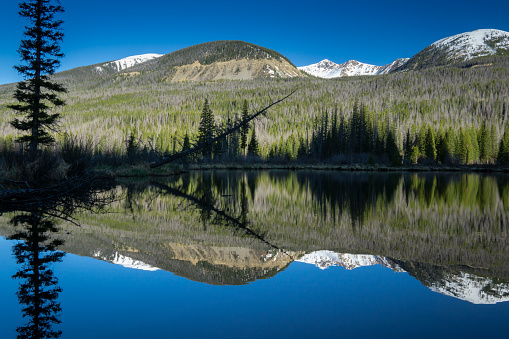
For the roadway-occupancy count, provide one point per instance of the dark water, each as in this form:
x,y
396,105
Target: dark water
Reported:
x,y
265,255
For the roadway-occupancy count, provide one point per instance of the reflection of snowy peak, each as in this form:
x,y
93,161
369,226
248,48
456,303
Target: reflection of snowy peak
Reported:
x,y
325,259
461,285
119,259
329,69
472,288
121,64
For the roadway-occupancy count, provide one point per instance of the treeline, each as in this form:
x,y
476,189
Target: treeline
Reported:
x,y
363,137
106,110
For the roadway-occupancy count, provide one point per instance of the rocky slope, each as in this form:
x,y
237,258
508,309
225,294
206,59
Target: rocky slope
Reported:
x,y
232,60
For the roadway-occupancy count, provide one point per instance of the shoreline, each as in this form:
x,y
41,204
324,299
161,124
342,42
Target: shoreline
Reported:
x,y
143,170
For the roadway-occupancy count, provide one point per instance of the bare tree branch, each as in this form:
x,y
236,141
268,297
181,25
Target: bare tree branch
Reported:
x,y
201,146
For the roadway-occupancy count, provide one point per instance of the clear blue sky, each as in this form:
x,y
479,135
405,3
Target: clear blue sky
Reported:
x,y
375,32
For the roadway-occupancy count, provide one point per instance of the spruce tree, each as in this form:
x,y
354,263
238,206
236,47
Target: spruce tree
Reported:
x,y
206,129
494,143
40,57
443,149
252,148
429,146
503,150
245,129
392,149
408,147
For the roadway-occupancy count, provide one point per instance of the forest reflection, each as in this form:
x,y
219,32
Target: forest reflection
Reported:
x,y
234,227
458,219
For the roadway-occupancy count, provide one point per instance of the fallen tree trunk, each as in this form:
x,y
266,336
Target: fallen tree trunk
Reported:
x,y
208,143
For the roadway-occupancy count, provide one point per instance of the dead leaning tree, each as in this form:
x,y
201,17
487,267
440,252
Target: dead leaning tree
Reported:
x,y
208,143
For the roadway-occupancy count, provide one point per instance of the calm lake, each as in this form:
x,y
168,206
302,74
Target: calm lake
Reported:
x,y
271,254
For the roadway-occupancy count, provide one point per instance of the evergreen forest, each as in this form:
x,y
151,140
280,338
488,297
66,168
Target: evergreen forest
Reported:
x,y
445,115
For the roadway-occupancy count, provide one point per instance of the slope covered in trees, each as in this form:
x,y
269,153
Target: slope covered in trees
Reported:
x,y
104,111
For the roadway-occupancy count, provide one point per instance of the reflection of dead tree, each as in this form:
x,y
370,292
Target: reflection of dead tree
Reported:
x,y
222,218
208,143
60,200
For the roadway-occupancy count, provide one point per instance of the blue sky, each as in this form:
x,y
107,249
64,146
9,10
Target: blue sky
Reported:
x,y
375,32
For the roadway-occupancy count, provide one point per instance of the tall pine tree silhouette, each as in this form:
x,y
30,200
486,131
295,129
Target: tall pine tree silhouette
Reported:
x,y
40,54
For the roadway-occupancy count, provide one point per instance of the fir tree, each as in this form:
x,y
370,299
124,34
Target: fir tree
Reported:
x,y
494,143
186,143
252,148
392,149
408,147
206,129
503,150
443,149
245,129
429,146
40,56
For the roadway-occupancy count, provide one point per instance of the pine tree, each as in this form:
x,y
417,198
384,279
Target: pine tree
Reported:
x,y
429,145
503,150
40,56
245,130
465,147
484,143
186,144
252,148
408,146
392,149
206,129
494,144
474,154
443,149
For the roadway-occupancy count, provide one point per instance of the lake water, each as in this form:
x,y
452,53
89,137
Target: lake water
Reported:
x,y
272,254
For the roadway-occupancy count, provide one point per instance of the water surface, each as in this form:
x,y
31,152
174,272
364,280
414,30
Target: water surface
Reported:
x,y
267,254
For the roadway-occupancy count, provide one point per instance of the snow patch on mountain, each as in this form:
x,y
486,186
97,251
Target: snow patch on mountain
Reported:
x,y
325,259
328,69
121,64
122,260
474,44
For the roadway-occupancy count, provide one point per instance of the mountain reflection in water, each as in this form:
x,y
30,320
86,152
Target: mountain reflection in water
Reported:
x,y
449,231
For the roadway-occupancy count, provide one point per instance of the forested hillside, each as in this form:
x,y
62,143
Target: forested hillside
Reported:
x,y
105,111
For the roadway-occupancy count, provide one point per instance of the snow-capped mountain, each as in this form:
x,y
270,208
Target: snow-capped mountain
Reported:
x,y
469,45
121,64
325,259
460,47
329,69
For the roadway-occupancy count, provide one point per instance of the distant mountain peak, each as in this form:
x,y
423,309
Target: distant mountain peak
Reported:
x,y
329,69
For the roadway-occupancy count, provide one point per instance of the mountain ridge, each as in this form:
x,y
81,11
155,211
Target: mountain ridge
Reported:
x,y
459,48
330,69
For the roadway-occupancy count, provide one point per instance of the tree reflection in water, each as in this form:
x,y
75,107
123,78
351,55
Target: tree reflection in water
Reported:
x,y
38,289
35,220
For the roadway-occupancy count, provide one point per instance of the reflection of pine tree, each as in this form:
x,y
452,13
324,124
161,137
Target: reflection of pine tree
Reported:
x,y
38,291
